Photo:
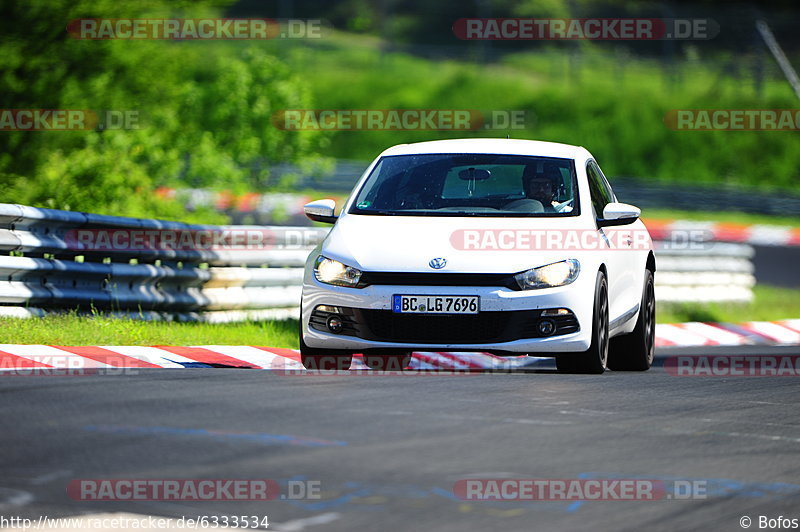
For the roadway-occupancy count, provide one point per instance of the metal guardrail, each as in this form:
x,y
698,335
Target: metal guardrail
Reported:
x,y
49,266
704,272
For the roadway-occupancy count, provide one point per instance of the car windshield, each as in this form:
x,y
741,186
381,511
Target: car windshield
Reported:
x,y
469,185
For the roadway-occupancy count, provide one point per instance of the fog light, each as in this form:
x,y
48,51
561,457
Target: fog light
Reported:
x,y
335,324
547,327
555,312
328,308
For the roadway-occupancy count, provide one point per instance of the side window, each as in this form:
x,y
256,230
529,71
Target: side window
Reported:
x,y
597,191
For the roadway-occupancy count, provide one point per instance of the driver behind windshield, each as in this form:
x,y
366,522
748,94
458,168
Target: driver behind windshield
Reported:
x,y
542,187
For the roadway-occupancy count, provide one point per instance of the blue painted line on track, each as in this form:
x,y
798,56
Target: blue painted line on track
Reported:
x,y
188,364
254,437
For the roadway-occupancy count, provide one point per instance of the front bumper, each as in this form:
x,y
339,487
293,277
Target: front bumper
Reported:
x,y
506,323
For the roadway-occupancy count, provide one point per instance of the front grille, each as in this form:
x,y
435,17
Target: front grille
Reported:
x,y
483,328
486,327
438,279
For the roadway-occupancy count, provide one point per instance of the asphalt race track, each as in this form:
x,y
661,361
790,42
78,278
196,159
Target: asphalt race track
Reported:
x,y
387,450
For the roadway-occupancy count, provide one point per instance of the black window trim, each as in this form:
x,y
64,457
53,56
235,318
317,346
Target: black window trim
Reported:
x,y
606,182
592,165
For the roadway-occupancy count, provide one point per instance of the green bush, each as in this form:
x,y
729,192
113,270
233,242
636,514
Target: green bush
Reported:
x,y
204,111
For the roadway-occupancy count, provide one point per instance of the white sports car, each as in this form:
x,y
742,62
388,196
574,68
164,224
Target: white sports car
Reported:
x,y
505,246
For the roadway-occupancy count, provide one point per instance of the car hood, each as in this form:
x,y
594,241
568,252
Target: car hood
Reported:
x,y
408,243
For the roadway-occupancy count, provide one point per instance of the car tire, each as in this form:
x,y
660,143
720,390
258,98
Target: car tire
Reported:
x,y
635,351
594,359
324,359
388,362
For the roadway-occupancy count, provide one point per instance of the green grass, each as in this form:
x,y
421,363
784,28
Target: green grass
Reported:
x,y
99,330
770,303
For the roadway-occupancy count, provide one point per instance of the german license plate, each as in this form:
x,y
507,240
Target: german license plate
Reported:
x,y
416,304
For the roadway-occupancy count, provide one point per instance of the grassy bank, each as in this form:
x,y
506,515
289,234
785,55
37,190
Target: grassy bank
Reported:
x,y
78,330
613,105
770,303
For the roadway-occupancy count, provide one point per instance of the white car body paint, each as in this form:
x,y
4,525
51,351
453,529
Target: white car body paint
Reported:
x,y
374,243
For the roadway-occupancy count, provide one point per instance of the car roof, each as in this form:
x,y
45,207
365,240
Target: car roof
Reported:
x,y
496,146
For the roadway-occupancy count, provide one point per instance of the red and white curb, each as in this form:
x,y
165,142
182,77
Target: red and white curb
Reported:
x,y
27,357
765,235
696,334
17,357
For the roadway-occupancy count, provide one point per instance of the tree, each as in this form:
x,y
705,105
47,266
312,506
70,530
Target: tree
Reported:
x,y
203,107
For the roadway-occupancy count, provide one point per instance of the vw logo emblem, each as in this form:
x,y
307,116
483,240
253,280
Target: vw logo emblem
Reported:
x,y
438,263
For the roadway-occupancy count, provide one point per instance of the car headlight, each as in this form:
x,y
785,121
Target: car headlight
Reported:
x,y
333,272
555,274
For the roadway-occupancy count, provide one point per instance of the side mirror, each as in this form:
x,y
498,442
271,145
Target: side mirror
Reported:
x,y
321,211
618,214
